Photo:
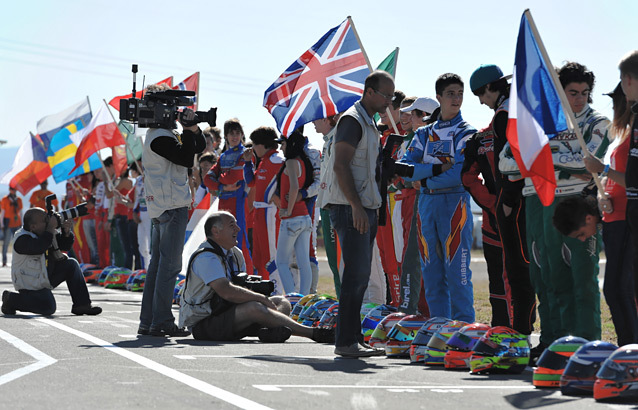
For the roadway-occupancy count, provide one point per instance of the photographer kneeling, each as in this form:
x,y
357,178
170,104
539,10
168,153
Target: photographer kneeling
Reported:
x,y
217,309
38,266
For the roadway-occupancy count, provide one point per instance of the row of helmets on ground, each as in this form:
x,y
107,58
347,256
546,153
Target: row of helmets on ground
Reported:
x,y
114,277
575,365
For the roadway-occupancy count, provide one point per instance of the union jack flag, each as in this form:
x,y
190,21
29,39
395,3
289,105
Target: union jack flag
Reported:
x,y
325,80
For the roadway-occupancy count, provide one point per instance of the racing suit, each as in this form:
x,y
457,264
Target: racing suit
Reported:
x,y
445,217
266,222
563,270
231,169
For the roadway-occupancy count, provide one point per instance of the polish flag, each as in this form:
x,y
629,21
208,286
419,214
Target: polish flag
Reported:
x,y
101,132
535,114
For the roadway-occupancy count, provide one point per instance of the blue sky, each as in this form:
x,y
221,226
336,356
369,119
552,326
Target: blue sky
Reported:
x,y
53,54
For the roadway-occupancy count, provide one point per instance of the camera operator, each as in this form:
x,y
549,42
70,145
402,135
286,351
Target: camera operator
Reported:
x,y
215,308
166,159
38,266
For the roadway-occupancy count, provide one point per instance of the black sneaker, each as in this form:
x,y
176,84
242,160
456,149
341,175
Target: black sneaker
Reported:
x,y
536,352
5,304
323,335
143,330
86,310
171,331
277,334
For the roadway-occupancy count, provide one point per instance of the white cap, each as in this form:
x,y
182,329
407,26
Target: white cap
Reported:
x,y
425,104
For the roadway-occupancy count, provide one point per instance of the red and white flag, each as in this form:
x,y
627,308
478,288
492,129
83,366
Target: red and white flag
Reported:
x,y
101,132
190,84
115,102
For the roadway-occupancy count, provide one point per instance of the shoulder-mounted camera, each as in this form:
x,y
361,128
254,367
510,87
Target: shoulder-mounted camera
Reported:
x,y
160,109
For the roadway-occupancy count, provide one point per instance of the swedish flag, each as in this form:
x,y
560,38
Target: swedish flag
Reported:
x,y
61,154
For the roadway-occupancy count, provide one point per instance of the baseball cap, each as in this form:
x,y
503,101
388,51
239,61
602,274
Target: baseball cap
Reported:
x,y
485,74
425,104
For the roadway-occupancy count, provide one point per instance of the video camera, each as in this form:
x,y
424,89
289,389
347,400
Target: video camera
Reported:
x,y
390,168
254,283
70,213
160,109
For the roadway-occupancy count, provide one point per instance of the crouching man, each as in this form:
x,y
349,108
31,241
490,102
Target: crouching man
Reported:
x,y
214,308
38,266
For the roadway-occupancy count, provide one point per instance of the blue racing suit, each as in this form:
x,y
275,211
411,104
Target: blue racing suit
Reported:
x,y
445,218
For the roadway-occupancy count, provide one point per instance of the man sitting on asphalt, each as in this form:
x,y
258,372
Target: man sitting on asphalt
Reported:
x,y
214,308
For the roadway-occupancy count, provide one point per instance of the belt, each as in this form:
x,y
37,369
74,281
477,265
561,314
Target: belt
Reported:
x,y
442,190
259,205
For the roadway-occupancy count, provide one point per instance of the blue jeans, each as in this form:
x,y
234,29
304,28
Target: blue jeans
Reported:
x,y
8,237
91,239
121,224
356,252
42,301
167,237
294,235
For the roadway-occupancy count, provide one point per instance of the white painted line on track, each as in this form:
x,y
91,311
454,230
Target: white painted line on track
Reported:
x,y
279,387
258,356
43,360
176,375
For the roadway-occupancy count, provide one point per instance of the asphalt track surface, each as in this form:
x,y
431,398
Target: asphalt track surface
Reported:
x,y
80,362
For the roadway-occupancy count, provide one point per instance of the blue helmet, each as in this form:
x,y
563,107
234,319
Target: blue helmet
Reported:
x,y
580,373
372,319
423,336
313,314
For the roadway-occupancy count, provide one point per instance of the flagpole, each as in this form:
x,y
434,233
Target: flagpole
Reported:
x,y
128,148
569,114
365,55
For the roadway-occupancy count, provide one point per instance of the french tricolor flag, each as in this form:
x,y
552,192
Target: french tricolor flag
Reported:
x,y
535,113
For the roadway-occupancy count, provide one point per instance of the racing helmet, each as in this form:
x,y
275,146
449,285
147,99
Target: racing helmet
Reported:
x,y
116,279
423,336
437,346
461,344
294,314
552,362
138,281
372,319
293,298
316,298
312,315
618,376
367,307
402,334
500,349
329,317
580,373
379,337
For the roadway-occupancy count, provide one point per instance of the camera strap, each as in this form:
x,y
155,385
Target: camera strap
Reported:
x,y
217,250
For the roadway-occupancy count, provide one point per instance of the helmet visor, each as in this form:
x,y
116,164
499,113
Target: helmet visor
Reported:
x,y
552,360
612,370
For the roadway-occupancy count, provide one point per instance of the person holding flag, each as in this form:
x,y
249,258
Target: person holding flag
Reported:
x,y
504,242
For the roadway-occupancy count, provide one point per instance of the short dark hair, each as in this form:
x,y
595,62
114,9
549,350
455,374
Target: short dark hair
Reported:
x,y
27,219
232,125
570,213
212,132
216,220
375,78
572,72
447,79
398,99
266,136
629,64
208,157
108,161
408,101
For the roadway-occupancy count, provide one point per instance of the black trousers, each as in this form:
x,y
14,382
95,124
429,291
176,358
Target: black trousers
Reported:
x,y
513,238
42,301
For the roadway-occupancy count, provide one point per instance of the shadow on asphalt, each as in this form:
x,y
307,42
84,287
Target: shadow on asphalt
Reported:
x,y
336,364
538,398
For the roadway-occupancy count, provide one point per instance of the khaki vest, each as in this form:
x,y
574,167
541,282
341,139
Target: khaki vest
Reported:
x,y
363,165
29,271
166,183
196,295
